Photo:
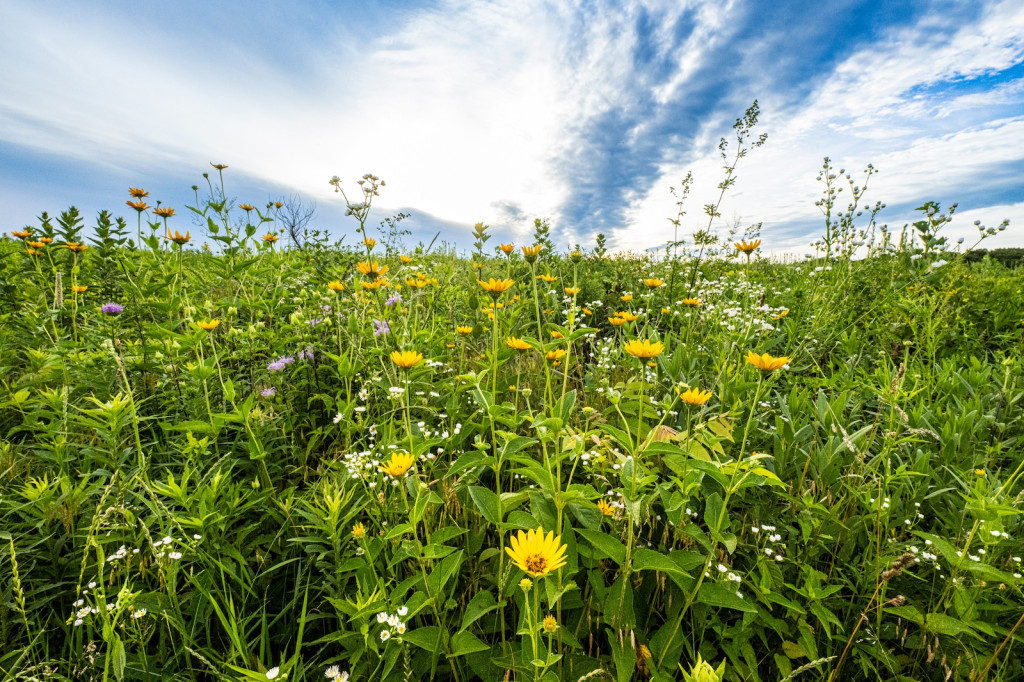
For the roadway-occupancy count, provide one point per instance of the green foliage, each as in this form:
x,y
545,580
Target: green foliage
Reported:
x,y
233,475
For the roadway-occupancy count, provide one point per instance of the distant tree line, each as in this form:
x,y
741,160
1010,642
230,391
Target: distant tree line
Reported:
x,y
1011,258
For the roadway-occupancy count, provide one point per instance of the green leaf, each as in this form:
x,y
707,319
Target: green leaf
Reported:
x,y
117,658
431,638
482,602
648,560
487,502
606,545
942,624
714,594
467,643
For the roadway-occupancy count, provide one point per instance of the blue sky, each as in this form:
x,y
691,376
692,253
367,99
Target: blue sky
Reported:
x,y
582,112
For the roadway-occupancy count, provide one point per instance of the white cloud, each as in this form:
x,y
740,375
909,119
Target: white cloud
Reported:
x,y
872,109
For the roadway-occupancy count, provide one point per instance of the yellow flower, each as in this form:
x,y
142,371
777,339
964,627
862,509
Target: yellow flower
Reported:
x,y
335,285
588,311
616,321
643,349
979,472
270,238
399,463
462,329
247,207
550,624
766,361
46,240
572,291
556,335
576,256
218,166
358,531
209,325
178,238
530,253
535,553
517,344
79,289
138,193
22,234
36,245
547,278
627,298
748,247
507,249
406,358
449,345
606,508
691,301
782,314
371,269
525,584
496,287
375,284
370,242
654,283
405,259
627,316
666,311
164,211
76,247
33,252
139,206
694,396
555,355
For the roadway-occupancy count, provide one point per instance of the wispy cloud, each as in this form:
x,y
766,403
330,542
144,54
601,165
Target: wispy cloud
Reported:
x,y
505,111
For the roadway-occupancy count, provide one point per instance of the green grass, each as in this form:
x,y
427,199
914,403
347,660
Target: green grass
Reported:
x,y
180,503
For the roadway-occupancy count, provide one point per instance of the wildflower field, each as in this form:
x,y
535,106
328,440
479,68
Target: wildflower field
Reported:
x,y
231,455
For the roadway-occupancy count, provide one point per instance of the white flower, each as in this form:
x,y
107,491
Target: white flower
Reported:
x,y
385,635
403,610
400,628
273,672
174,555
382,617
337,418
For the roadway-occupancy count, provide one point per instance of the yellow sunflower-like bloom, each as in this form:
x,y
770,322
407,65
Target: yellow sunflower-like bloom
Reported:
x,y
406,358
358,530
247,207
336,286
270,238
164,211
496,287
627,316
617,321
554,355
36,245
22,234
463,329
370,242
517,344
530,253
399,463
371,269
576,256
208,325
138,192
179,238
748,247
691,301
76,247
139,206
507,249
550,624
572,291
606,508
535,553
765,361
695,396
218,166
654,283
782,314
375,284
547,278
556,335
405,259
79,289
588,311
644,349
627,298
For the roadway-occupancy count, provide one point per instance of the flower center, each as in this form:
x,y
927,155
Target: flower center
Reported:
x,y
536,564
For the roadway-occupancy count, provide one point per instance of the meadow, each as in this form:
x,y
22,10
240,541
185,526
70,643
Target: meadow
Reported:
x,y
231,454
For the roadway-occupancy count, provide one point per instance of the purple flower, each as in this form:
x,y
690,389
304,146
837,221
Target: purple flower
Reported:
x,y
306,354
268,392
280,363
111,309
315,321
393,299
381,327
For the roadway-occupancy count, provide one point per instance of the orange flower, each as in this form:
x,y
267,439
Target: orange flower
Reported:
x,y
247,207
75,246
79,289
36,245
138,192
139,206
270,238
748,247
507,249
164,211
22,234
178,238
